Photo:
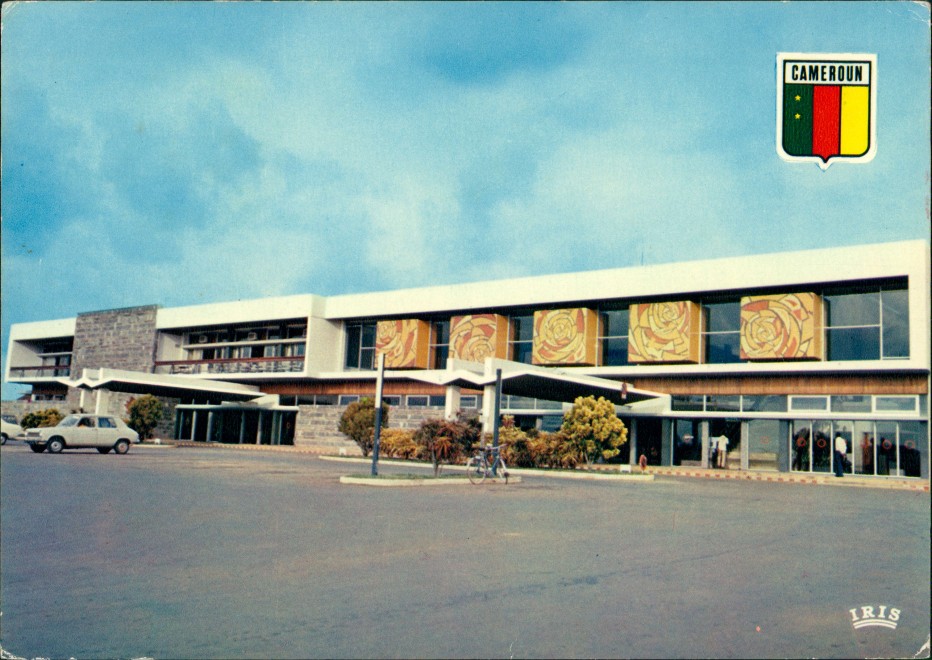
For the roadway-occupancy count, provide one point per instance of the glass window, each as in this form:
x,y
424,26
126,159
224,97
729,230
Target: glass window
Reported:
x,y
614,339
391,399
851,403
687,443
895,404
522,338
726,403
895,315
440,343
470,401
360,345
107,423
438,400
722,334
417,401
913,450
853,343
808,403
346,399
687,402
764,403
851,309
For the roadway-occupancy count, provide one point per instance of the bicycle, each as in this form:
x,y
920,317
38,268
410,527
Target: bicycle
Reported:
x,y
486,463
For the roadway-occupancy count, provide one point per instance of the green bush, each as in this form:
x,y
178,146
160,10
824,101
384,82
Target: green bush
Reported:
x,y
145,413
358,423
447,440
41,418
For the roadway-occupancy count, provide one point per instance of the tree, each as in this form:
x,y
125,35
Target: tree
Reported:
x,y
41,418
592,429
358,423
145,413
447,440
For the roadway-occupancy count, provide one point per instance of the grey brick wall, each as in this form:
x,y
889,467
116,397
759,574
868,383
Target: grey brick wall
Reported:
x,y
317,426
115,339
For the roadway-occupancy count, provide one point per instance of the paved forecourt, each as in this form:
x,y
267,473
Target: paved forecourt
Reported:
x,y
192,552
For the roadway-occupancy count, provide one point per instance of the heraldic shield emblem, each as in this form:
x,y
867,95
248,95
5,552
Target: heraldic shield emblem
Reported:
x,y
826,107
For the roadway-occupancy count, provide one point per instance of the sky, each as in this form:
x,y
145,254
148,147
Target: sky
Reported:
x,y
196,152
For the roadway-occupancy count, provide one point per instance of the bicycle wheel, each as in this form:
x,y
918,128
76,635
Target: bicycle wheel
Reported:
x,y
476,469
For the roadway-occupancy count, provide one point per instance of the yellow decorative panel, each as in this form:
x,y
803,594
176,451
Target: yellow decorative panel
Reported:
x,y
665,332
782,327
565,336
405,343
478,336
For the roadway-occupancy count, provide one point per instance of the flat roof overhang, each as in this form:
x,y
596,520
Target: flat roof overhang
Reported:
x,y
525,380
137,382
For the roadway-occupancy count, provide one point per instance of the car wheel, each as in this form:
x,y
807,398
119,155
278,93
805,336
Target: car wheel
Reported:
x,y
37,448
104,450
121,446
3,439
55,445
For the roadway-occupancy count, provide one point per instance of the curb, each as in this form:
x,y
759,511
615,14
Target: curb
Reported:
x,y
427,481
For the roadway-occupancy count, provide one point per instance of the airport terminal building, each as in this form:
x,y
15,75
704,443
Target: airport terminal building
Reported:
x,y
779,353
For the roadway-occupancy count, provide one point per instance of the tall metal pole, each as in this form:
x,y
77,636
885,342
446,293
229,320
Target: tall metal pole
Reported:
x,y
496,415
378,415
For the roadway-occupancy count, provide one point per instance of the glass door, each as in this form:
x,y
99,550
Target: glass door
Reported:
x,y
763,436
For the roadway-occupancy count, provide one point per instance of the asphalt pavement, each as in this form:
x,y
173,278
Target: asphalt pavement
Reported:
x,y
199,553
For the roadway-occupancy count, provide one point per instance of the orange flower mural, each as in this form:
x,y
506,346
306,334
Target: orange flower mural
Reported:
x,y
478,336
664,332
565,336
405,343
781,327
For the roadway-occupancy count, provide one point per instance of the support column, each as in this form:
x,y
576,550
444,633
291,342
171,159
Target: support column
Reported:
x,y
633,439
451,405
704,434
242,426
488,408
210,425
745,454
261,427
102,402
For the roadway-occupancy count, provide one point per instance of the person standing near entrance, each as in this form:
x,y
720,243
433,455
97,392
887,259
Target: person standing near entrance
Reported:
x,y
721,445
841,449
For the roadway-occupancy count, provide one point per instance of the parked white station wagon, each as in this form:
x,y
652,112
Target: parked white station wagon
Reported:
x,y
77,431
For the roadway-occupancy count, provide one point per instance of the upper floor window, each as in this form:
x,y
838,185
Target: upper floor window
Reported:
x,y
521,344
360,345
440,343
722,331
614,337
867,323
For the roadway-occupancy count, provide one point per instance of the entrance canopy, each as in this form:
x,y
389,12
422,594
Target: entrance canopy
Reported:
x,y
531,381
137,382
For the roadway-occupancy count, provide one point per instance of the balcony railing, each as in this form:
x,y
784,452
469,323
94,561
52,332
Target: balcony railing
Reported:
x,y
263,365
46,371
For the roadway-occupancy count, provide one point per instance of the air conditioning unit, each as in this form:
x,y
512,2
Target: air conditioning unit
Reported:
x,y
251,336
202,339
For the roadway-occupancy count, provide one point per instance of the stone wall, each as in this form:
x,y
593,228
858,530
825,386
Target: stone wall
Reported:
x,y
317,426
115,339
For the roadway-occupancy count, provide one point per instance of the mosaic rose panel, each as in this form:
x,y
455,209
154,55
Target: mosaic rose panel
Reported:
x,y
565,336
405,343
664,332
478,336
782,327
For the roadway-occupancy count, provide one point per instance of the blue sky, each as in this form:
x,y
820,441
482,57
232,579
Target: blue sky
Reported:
x,y
183,153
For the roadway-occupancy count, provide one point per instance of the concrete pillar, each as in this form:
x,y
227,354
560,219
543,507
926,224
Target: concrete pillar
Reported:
x,y
210,425
704,434
451,405
745,454
261,427
242,426
633,439
488,408
102,402
666,444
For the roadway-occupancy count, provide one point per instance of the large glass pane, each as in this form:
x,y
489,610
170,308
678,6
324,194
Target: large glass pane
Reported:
x,y
723,317
763,436
845,430
723,348
687,445
851,403
863,451
853,309
822,447
853,343
912,448
353,340
801,448
615,351
764,403
886,448
615,323
523,328
895,323
687,402
727,403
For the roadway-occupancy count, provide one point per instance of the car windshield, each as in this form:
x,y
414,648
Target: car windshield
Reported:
x,y
8,418
70,420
